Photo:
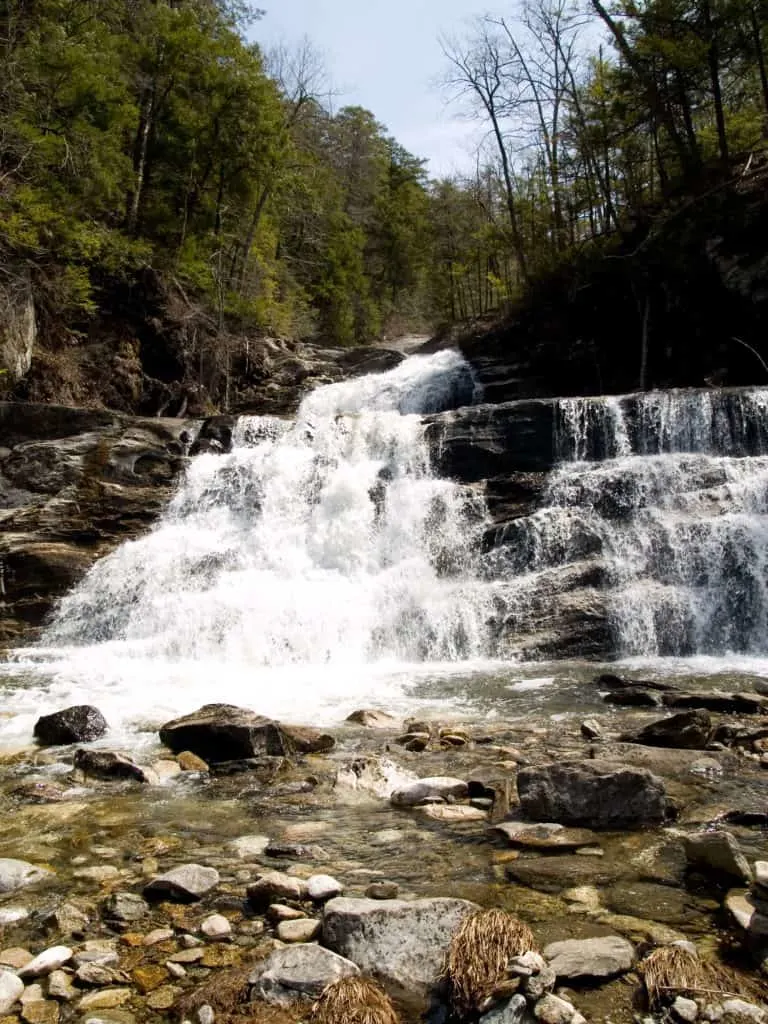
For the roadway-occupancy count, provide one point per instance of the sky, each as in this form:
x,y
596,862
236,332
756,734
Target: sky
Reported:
x,y
385,55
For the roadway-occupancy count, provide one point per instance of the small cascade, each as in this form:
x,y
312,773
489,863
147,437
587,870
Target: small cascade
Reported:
x,y
662,498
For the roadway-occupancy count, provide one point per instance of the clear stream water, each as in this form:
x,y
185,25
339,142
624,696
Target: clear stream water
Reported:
x,y
321,566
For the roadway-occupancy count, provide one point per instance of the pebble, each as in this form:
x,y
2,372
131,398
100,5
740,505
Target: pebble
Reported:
x,y
205,1015
186,883
248,847
188,956
304,930
554,1010
424,789
60,987
32,994
278,912
216,927
685,1009
191,941
15,957
175,970
105,999
382,891
149,977
41,1011
47,961
164,998
453,812
189,762
321,888
12,915
125,907
96,974
158,935
97,873
11,989
276,884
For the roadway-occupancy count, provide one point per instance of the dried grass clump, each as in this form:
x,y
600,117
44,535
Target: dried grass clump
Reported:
x,y
354,1001
479,954
670,971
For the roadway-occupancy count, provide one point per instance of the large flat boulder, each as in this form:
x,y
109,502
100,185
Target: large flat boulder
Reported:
x,y
224,732
401,943
595,794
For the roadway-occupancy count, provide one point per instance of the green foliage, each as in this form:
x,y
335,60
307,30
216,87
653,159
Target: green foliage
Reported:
x,y
150,134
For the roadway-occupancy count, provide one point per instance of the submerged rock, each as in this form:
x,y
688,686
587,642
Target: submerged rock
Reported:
x,y
106,764
596,794
434,788
16,874
81,723
400,943
298,972
545,835
224,732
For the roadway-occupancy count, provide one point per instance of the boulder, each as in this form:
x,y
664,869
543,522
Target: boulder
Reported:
x,y
81,723
224,732
298,972
589,959
400,943
16,874
433,788
690,730
717,852
186,883
106,764
596,794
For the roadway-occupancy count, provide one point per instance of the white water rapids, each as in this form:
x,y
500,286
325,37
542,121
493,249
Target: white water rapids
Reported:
x,y
321,566
316,568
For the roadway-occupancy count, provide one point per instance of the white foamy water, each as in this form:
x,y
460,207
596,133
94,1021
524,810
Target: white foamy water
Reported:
x,y
670,491
318,567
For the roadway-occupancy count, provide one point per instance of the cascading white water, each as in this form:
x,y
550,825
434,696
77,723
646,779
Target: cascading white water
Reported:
x,y
300,574
674,500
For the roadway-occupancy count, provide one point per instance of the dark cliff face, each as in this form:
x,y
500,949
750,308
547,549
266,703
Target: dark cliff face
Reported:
x,y
680,301
74,483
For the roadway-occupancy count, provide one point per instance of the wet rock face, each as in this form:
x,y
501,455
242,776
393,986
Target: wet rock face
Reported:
x,y
74,483
690,730
595,794
81,723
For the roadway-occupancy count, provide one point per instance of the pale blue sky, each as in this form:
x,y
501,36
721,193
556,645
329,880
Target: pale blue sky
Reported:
x,y
386,56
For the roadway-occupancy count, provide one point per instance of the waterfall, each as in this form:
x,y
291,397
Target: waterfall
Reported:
x,y
669,492
288,573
